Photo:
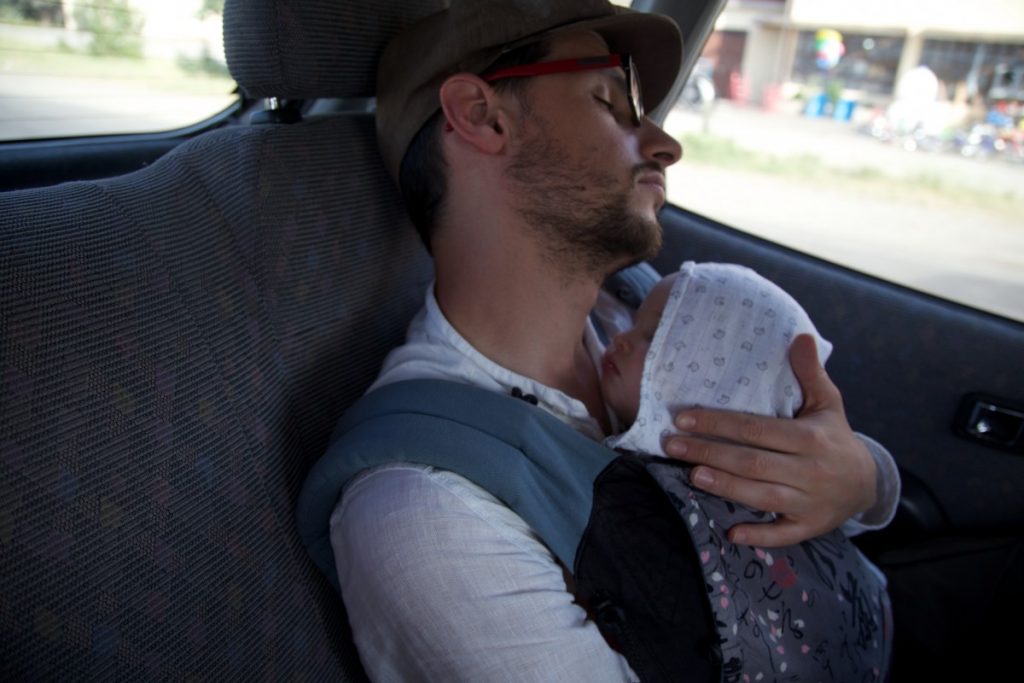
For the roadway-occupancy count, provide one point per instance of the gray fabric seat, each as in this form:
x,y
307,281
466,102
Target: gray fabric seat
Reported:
x,y
175,347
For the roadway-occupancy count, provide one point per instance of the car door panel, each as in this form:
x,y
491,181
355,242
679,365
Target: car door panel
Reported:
x,y
24,165
903,361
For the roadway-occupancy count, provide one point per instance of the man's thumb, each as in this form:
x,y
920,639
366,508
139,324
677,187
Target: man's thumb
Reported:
x,y
814,381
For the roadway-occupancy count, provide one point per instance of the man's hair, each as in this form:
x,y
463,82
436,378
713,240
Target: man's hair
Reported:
x,y
423,177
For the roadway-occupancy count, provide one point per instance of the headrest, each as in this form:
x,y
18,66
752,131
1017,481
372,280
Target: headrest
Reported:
x,y
301,49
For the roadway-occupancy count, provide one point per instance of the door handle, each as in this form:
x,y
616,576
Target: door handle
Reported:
x,y
992,421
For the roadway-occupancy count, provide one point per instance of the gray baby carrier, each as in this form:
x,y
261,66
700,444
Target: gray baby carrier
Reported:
x,y
650,563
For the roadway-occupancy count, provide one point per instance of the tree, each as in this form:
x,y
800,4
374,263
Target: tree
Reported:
x,y
41,11
211,7
115,26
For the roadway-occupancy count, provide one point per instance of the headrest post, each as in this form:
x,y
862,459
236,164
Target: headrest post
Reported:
x,y
277,110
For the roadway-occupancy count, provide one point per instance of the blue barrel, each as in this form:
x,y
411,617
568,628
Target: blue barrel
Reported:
x,y
816,106
844,110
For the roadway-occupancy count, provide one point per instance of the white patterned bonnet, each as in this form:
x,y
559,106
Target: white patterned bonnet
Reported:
x,y
722,342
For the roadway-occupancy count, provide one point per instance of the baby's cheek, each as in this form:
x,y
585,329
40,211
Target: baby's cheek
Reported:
x,y
631,389
614,396
634,394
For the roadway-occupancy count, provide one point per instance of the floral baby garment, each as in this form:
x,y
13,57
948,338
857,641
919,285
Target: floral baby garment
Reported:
x,y
817,611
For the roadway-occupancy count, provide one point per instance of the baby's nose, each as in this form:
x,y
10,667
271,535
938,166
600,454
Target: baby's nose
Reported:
x,y
620,344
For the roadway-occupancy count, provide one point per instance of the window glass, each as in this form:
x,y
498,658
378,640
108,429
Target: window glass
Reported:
x,y
869,64
893,145
96,67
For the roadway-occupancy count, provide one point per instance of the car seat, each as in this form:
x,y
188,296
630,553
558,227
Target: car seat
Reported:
x,y
176,345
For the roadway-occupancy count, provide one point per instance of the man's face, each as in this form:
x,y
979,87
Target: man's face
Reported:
x,y
588,181
622,367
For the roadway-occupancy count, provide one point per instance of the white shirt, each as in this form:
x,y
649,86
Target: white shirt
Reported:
x,y
441,581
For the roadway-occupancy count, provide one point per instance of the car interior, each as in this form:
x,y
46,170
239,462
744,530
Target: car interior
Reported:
x,y
185,316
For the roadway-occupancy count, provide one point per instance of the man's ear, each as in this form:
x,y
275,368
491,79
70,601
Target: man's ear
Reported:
x,y
474,112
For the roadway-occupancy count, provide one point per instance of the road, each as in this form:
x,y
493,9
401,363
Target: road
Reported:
x,y
944,245
51,106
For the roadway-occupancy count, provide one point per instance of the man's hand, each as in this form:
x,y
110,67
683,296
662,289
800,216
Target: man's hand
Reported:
x,y
812,471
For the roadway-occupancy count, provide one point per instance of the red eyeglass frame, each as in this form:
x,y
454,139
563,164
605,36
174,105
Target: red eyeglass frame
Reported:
x,y
611,61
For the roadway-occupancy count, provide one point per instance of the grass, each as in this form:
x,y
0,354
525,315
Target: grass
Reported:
x,y
180,76
722,152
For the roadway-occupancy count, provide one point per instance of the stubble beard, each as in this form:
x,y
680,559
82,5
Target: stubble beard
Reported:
x,y
580,214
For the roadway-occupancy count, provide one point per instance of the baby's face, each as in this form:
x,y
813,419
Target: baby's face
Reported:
x,y
623,365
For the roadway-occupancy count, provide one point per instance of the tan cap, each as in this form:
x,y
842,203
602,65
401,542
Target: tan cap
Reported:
x,y
471,34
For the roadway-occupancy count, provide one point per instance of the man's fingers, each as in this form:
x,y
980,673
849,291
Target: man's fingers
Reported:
x,y
819,391
760,495
771,433
757,465
779,533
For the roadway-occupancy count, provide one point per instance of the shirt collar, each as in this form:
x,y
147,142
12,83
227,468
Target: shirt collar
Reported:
x,y
476,368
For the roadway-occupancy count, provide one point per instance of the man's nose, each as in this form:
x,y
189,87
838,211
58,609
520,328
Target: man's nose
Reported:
x,y
620,344
659,146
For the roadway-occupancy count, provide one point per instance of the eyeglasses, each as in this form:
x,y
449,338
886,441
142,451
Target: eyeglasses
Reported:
x,y
636,102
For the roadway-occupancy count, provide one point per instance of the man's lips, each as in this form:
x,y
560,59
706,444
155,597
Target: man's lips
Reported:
x,y
608,365
653,181
652,178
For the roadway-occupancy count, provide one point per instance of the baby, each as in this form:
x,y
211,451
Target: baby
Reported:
x,y
718,335
736,357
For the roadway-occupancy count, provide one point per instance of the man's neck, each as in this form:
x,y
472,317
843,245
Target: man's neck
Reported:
x,y
523,314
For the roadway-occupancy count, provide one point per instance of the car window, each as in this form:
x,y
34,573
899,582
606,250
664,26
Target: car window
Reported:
x,y
96,67
889,141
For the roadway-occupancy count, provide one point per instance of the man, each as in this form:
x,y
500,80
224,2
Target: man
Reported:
x,y
543,177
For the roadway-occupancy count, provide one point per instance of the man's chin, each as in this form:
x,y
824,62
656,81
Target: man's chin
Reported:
x,y
645,210
636,256
655,237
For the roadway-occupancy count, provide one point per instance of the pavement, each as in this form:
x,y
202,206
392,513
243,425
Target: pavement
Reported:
x,y
54,106
947,244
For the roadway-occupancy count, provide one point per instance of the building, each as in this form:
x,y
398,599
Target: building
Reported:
x,y
764,50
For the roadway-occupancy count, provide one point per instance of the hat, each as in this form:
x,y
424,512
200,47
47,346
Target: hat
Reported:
x,y
471,34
